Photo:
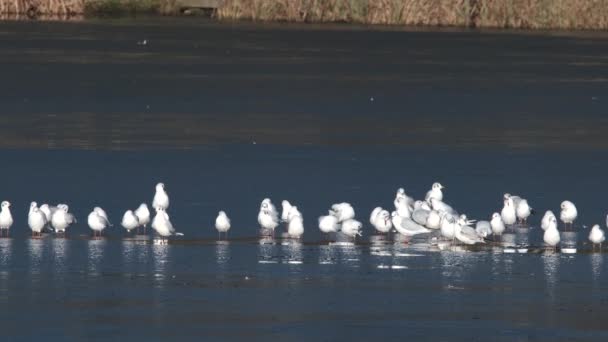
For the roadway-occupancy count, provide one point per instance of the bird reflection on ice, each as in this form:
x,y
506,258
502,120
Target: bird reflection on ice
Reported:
x,y
267,250
35,248
292,252
222,253
551,262
597,260
161,254
96,247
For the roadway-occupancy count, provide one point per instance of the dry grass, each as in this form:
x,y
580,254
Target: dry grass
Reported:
x,y
565,14
534,14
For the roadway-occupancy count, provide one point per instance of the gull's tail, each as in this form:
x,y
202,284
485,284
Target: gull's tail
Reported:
x,y
179,234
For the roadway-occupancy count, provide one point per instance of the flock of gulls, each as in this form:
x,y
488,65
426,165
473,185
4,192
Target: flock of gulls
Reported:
x,y
410,218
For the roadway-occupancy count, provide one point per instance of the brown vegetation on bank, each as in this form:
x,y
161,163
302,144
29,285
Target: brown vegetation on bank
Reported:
x,y
526,14
534,14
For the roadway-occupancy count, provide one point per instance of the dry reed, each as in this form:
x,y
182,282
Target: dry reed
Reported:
x,y
535,14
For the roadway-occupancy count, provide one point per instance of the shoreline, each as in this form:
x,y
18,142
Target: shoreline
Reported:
x,y
576,15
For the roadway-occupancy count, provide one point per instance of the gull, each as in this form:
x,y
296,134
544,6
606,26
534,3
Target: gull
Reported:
x,y
352,228
129,221
295,225
222,224
551,236
6,218
161,198
523,211
103,214
285,213
483,228
268,217
508,211
421,205
406,226
568,213
447,226
442,207
435,192
465,233
48,212
596,236
546,220
62,219
97,221
516,199
328,223
343,211
381,220
162,225
497,225
401,194
36,219
421,215
143,215
402,207
433,221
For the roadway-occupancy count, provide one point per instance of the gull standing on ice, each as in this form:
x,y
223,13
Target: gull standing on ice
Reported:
x,y
329,223
551,236
143,216
129,221
498,226
295,223
435,192
483,228
268,217
352,228
222,224
523,211
509,217
568,213
36,220
401,194
62,219
162,225
406,226
381,220
596,236
465,233
6,218
97,221
161,198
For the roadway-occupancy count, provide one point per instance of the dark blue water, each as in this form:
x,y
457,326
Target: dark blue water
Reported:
x,y
226,115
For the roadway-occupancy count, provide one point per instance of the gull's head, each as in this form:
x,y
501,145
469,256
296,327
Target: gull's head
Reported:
x,y
160,187
285,203
566,205
595,227
495,216
400,191
33,205
394,214
437,186
98,210
506,196
63,206
222,213
265,203
6,204
35,209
